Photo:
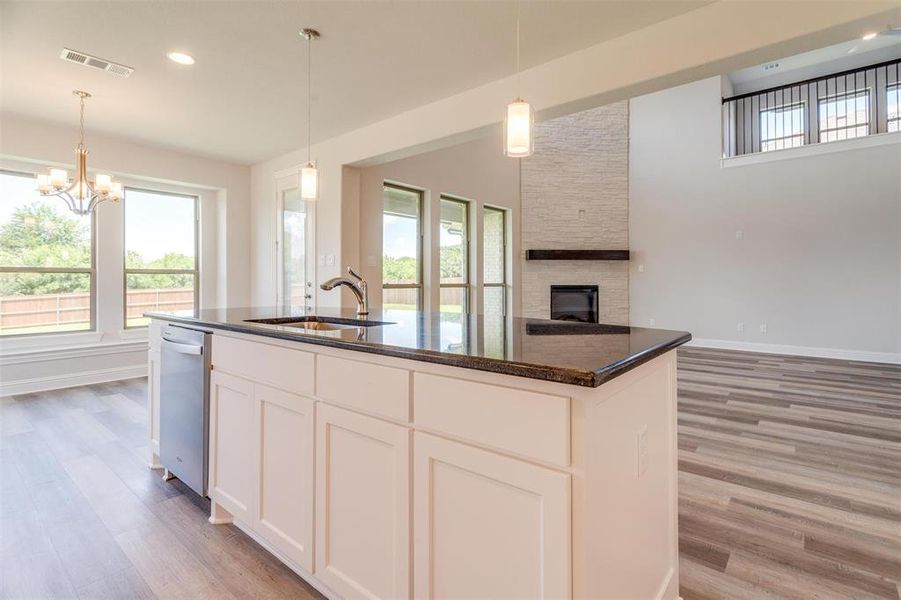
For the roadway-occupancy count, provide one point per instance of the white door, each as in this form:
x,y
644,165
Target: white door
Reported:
x,y
487,526
362,505
285,427
295,247
231,437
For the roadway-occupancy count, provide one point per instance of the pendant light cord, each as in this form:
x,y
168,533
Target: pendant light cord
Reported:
x,y
517,37
309,98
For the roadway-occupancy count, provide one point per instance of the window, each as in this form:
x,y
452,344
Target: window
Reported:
x,y
453,257
401,248
160,253
47,276
782,127
844,116
494,275
838,106
893,107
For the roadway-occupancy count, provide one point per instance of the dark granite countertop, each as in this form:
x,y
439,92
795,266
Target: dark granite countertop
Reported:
x,y
560,351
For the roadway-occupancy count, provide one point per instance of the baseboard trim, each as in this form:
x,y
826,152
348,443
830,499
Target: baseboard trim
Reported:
x,y
309,578
855,355
55,382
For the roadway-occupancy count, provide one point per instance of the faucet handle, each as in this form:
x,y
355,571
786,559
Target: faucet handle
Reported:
x,y
355,274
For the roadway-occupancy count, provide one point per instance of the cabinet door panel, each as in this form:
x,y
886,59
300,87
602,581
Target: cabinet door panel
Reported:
x,y
362,505
284,444
231,438
488,526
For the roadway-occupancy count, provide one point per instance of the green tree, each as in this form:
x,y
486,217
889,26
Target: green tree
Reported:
x,y
171,260
399,269
36,235
452,262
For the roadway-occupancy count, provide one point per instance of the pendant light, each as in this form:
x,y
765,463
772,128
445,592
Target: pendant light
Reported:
x,y
309,174
518,138
81,195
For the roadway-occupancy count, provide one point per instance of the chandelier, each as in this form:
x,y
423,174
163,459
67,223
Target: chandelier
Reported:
x,y
81,195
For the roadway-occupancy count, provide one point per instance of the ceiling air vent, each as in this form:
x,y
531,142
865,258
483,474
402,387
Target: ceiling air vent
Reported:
x,y
94,62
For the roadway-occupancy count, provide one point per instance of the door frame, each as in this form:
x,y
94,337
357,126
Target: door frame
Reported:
x,y
285,180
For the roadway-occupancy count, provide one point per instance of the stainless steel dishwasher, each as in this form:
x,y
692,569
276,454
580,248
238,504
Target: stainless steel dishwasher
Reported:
x,y
185,405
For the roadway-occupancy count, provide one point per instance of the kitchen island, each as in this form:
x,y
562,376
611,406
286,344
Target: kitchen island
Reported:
x,y
441,455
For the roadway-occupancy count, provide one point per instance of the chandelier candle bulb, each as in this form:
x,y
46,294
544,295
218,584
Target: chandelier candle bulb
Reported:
x,y
116,190
309,182
518,129
44,183
103,183
58,177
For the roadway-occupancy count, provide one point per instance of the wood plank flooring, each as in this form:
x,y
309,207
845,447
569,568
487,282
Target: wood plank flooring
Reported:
x,y
81,515
789,477
790,487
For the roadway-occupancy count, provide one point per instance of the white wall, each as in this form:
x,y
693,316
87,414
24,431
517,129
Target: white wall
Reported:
x,y
49,361
717,38
820,258
476,171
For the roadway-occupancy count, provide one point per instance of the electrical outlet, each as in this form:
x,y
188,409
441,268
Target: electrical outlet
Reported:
x,y
641,268
739,234
642,450
371,261
763,328
652,321
330,260
741,327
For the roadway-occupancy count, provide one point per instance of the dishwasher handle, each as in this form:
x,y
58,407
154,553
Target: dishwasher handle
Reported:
x,y
183,348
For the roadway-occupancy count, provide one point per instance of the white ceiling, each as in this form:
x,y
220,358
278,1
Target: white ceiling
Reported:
x,y
245,99
816,63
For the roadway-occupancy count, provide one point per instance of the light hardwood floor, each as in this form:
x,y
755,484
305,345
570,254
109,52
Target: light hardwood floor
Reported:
x,y
790,487
790,477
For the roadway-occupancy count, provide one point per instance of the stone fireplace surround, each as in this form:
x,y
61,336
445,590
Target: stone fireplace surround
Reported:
x,y
575,196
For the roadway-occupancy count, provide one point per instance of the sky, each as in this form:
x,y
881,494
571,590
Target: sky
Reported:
x,y
399,236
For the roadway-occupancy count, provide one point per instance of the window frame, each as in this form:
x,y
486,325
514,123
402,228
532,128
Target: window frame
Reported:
x,y
791,106
889,88
502,284
467,295
420,194
126,271
91,271
845,95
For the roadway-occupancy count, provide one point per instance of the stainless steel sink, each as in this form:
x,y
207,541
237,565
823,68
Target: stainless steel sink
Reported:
x,y
314,323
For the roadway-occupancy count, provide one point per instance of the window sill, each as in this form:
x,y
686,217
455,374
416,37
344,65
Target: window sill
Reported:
x,y
870,141
134,333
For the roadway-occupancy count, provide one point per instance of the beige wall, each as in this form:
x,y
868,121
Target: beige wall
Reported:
x,y
575,197
476,171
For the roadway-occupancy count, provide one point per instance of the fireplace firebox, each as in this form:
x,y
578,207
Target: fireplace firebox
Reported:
x,y
574,303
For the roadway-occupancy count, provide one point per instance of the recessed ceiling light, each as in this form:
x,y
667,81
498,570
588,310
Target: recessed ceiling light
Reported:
x,y
870,36
181,58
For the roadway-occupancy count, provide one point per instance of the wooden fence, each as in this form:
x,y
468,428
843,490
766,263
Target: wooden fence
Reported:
x,y
50,310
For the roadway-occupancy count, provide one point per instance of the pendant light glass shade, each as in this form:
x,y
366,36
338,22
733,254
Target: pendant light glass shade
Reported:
x,y
309,182
518,129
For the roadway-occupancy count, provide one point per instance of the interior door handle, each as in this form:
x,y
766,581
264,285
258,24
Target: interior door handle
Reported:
x,y
183,348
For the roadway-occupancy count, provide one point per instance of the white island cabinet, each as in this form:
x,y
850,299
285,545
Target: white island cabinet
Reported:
x,y
380,477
